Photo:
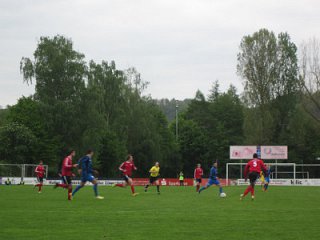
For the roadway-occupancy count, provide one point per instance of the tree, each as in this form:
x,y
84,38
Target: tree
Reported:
x,y
59,75
193,147
107,87
3,116
27,112
18,144
310,76
111,152
268,66
208,128
169,107
57,69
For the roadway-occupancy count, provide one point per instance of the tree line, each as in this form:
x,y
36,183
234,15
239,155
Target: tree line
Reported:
x,y
81,105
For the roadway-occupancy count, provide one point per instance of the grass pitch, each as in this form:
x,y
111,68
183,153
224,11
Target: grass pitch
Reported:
x,y
178,213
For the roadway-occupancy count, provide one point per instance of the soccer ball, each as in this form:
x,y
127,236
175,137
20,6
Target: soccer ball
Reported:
x,y
223,195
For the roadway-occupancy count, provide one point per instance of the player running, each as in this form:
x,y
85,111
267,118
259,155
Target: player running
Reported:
x,y
39,170
126,168
267,178
154,174
85,164
198,172
66,173
252,170
213,179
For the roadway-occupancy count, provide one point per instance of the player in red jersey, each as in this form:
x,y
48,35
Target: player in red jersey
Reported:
x,y
66,173
40,170
252,170
126,168
198,172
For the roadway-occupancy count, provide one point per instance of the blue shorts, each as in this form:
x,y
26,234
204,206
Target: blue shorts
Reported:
x,y
267,179
87,177
211,182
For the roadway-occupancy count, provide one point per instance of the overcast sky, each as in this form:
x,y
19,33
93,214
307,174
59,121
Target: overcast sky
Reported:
x,y
179,46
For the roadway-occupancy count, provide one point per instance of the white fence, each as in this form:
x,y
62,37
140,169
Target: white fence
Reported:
x,y
33,180
283,174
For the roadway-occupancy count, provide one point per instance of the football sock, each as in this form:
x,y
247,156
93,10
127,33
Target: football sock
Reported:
x,y
40,186
146,186
247,190
252,191
220,189
158,188
76,190
119,185
198,187
201,189
132,189
95,189
266,186
69,193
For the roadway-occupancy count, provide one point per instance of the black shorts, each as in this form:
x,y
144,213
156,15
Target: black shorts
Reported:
x,y
40,179
126,178
66,179
153,179
198,180
253,176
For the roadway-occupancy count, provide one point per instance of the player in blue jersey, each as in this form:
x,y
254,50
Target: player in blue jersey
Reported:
x,y
213,179
267,178
85,164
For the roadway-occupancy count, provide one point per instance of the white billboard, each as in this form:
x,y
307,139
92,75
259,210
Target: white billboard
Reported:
x,y
242,152
284,182
274,152
267,152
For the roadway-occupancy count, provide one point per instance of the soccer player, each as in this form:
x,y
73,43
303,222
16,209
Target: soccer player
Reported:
x,y
181,179
39,170
86,174
126,168
198,172
154,174
267,178
213,179
66,173
262,179
252,170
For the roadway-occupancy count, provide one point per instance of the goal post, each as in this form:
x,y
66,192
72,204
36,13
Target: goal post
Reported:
x,y
234,171
11,170
16,173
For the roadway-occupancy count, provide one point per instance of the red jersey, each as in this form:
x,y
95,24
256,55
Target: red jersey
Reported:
x,y
254,165
198,172
40,171
67,166
127,167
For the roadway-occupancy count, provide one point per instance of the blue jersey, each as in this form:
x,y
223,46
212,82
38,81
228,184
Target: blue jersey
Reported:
x,y
86,165
213,173
267,177
268,172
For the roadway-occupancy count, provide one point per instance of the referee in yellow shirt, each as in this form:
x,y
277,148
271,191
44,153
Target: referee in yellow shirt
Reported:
x,y
154,174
